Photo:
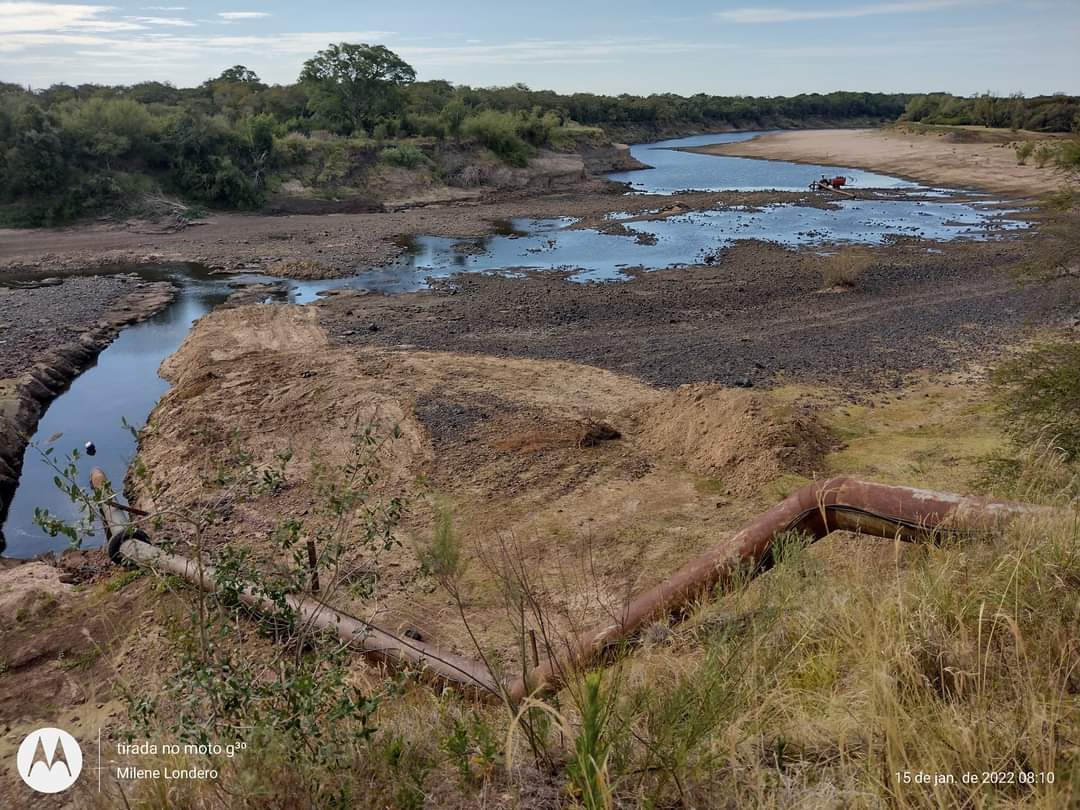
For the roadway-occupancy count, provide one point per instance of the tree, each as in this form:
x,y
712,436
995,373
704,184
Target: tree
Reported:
x,y
238,73
37,162
352,86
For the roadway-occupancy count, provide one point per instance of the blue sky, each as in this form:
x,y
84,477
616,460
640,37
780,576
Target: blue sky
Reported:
x,y
730,47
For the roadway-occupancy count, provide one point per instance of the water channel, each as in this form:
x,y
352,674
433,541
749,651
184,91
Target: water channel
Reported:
x,y
124,384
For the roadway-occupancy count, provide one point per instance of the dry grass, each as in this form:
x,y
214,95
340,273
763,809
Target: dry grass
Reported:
x,y
841,270
851,667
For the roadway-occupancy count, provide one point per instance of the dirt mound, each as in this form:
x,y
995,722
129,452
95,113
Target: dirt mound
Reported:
x,y
28,591
264,378
735,436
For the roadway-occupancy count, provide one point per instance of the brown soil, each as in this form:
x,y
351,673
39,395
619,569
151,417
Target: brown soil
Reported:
x,y
500,439
937,158
734,437
62,661
755,317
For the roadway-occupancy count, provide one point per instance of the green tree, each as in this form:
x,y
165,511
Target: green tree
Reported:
x,y
240,74
353,86
36,163
109,128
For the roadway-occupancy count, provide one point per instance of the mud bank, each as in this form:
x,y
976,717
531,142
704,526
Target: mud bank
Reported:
x,y
55,334
325,246
499,438
757,316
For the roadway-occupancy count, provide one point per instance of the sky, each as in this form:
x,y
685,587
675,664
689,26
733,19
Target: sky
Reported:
x,y
726,47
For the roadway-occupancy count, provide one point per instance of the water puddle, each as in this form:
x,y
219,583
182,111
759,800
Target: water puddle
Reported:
x,y
686,239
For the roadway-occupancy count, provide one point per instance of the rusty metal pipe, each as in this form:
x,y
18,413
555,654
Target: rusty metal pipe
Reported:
x,y
815,510
369,639
134,546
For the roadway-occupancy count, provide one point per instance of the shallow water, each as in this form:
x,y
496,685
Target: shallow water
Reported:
x,y
688,239
679,171
124,383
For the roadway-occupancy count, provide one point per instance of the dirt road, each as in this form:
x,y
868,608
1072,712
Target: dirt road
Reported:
x,y
935,158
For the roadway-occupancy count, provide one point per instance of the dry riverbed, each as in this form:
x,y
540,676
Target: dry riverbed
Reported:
x,y
494,385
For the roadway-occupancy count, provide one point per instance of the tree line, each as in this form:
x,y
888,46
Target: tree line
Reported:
x,y
68,151
1056,113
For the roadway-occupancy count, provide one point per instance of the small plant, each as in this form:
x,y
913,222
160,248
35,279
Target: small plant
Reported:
x,y
122,580
298,694
473,748
405,156
589,768
1039,396
1023,152
1044,153
842,270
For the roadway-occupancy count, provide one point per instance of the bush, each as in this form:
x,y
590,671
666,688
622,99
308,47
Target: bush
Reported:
x,y
1068,157
1044,153
405,156
843,268
1023,152
1039,396
499,133
291,150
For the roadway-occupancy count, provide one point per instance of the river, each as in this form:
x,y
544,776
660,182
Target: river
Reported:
x,y
124,385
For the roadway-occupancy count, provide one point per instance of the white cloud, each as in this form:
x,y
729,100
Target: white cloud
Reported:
x,y
19,17
782,15
242,15
158,46
164,8
175,22
536,51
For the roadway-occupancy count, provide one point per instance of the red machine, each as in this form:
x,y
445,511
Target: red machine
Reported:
x,y
827,183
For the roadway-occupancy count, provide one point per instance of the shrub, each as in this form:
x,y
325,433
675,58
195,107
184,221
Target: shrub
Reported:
x,y
1023,152
499,133
842,269
1068,157
1039,396
292,149
405,156
1044,153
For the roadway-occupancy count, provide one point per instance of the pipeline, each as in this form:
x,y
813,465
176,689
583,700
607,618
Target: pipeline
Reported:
x,y
816,510
133,545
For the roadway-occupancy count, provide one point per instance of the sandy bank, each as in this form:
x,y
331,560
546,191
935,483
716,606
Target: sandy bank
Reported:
x,y
932,158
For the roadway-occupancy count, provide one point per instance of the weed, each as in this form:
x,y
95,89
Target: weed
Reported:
x,y
842,270
1039,395
121,580
405,156
1023,152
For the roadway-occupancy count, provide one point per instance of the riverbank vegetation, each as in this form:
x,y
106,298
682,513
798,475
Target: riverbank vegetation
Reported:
x,y
856,673
1056,113
73,151
69,152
